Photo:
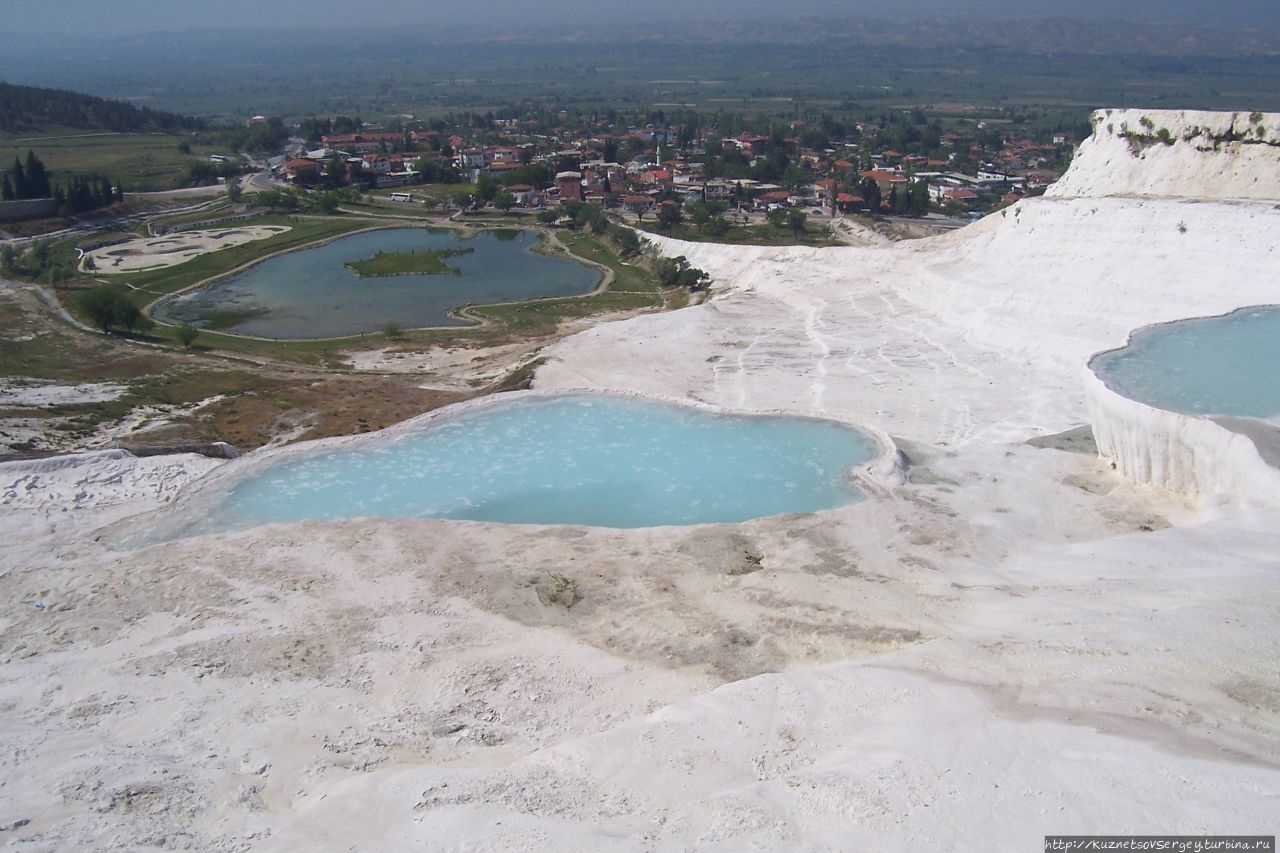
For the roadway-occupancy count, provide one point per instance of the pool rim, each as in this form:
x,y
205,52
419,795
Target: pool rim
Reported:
x,y
1091,363
875,476
546,235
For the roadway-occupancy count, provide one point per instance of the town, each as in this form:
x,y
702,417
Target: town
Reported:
x,y
899,165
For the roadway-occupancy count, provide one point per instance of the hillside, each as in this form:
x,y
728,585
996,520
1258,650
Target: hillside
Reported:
x,y
24,109
1184,154
86,137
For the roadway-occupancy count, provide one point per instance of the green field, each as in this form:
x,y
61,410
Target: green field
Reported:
x,y
749,235
407,263
633,289
140,162
428,191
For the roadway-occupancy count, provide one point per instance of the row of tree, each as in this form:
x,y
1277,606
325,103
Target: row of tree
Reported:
x,y
29,181
81,194
582,216
87,193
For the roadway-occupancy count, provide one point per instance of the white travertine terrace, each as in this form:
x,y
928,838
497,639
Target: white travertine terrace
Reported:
x,y
1017,642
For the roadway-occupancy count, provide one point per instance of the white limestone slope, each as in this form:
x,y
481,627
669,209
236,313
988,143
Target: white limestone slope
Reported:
x,y
1177,154
975,336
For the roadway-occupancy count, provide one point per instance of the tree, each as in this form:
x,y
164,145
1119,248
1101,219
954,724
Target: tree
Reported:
x,y
668,270
570,207
42,253
37,177
794,177
627,241
919,197
796,220
109,307
590,216
700,212
777,217
717,226
669,216
504,200
19,180
327,202
335,171
434,171
187,334
548,217
486,188
8,188
274,199
871,194
676,272
234,192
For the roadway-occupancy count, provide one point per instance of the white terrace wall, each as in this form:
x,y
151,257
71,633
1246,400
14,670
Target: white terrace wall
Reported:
x,y
1184,453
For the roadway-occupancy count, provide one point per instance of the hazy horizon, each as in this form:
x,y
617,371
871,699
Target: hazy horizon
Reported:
x,y
73,17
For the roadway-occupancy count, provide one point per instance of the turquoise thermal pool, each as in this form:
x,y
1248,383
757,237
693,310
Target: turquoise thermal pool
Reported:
x,y
310,293
587,459
1226,365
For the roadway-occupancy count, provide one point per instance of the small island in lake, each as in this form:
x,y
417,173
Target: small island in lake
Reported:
x,y
407,263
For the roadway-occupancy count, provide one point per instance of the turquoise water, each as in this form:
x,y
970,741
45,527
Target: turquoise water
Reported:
x,y
1219,365
310,294
579,459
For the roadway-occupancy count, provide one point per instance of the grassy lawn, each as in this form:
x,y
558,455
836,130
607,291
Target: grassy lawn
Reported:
x,y
633,289
406,211
137,161
433,193
748,235
407,263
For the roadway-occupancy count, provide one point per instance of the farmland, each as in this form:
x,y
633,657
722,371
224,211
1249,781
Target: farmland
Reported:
x,y
141,161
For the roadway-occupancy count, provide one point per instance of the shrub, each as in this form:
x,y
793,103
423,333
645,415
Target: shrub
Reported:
x,y
187,334
109,307
676,272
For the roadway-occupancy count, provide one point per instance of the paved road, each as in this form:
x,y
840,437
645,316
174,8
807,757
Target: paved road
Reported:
x,y
260,181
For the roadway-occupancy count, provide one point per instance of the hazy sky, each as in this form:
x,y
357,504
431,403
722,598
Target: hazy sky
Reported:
x,y
122,16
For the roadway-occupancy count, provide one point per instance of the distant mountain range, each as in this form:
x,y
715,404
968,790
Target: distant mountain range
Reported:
x,y
226,75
